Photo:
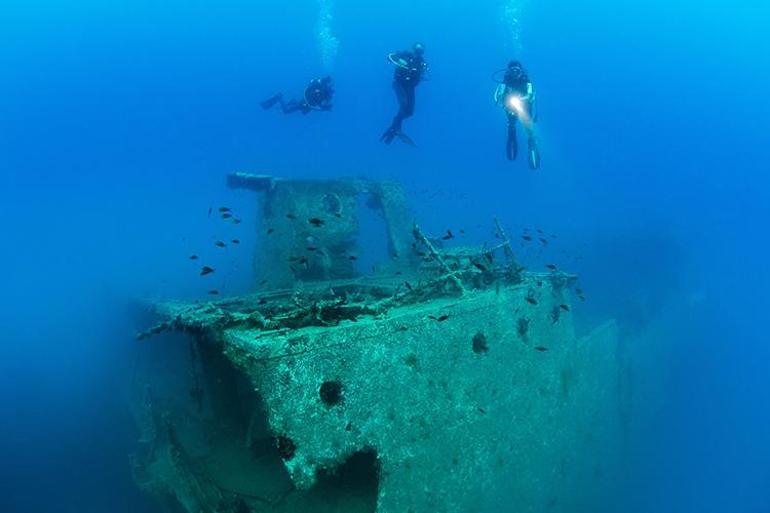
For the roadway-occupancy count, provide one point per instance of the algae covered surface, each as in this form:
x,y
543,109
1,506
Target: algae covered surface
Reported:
x,y
447,382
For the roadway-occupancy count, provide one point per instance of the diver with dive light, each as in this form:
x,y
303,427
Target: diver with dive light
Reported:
x,y
317,96
410,70
516,95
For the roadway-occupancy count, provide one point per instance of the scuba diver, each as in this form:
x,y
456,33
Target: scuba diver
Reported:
x,y
516,95
317,96
410,70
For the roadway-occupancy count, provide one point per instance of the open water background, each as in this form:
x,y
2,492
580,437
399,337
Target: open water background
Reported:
x,y
119,121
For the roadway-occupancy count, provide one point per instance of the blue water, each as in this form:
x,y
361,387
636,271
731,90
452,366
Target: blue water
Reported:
x,y
119,121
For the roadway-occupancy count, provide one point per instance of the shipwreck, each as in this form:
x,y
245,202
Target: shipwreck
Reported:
x,y
440,381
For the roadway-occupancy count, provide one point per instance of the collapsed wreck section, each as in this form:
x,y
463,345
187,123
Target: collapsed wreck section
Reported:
x,y
448,382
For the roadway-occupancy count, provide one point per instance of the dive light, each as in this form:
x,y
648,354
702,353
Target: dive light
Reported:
x,y
515,104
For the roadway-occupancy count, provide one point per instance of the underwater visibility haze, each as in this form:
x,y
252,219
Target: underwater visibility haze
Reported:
x,y
121,121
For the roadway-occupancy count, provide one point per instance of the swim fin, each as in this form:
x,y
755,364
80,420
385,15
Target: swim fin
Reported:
x,y
534,156
270,102
406,139
511,144
388,136
511,149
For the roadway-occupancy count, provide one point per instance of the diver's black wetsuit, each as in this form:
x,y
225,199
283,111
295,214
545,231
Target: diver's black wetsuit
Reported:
x,y
518,84
318,96
405,79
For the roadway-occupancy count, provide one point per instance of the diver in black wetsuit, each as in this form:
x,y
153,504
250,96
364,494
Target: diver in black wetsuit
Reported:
x,y
516,95
318,96
410,69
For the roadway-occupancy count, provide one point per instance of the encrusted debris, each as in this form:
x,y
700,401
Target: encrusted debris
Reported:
x,y
438,383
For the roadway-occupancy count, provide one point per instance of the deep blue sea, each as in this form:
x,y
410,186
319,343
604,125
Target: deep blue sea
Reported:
x,y
119,121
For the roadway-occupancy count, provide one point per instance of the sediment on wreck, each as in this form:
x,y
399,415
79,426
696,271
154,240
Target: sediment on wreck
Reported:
x,y
447,380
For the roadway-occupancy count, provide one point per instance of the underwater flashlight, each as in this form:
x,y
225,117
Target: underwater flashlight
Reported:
x,y
515,104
